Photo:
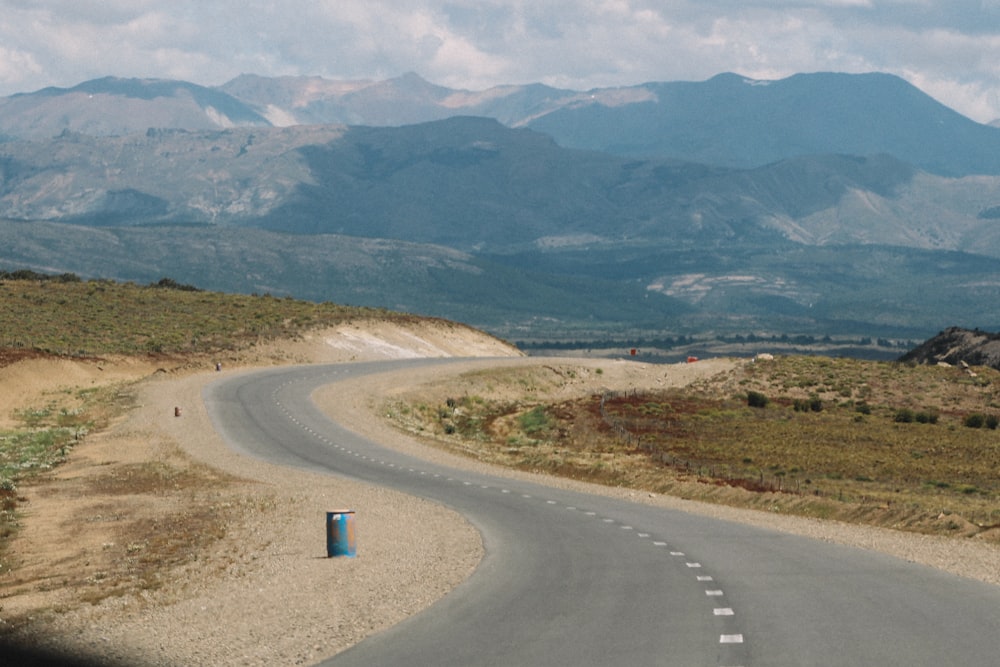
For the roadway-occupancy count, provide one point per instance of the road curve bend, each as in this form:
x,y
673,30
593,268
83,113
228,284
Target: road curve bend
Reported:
x,y
576,579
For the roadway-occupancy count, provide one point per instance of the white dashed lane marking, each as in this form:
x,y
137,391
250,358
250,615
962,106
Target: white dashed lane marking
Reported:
x,y
721,612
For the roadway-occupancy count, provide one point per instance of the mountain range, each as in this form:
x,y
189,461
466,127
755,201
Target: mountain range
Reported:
x,y
728,120
828,204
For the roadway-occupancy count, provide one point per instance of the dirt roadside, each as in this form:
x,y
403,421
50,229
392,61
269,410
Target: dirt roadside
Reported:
x,y
263,591
113,562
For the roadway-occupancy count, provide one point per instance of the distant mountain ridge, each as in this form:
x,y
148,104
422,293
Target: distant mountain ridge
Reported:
x,y
728,120
473,184
734,121
115,107
823,204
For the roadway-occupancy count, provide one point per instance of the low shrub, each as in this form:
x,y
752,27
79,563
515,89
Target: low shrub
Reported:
x,y
975,420
756,399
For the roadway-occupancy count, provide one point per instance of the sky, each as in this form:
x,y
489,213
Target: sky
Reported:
x,y
950,49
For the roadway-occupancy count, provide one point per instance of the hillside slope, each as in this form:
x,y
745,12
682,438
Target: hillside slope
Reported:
x,y
958,347
473,184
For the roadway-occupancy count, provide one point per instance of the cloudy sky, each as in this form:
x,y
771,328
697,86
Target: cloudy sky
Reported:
x,y
948,48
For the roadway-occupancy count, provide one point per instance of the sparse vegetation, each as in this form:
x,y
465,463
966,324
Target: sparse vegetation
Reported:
x,y
862,441
64,315
535,422
44,439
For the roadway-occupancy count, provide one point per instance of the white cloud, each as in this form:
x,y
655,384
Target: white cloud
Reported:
x,y
975,99
17,68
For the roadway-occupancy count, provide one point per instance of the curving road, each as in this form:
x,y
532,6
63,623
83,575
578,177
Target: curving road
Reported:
x,y
575,579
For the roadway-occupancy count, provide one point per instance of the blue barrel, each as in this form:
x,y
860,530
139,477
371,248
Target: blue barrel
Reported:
x,y
340,534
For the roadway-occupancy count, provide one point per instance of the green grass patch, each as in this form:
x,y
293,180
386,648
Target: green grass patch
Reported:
x,y
535,421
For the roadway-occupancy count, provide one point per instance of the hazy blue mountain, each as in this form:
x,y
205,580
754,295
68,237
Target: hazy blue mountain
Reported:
x,y
472,183
728,120
475,185
734,121
115,107
403,100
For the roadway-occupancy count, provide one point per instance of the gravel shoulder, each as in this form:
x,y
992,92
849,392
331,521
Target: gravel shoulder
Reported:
x,y
265,593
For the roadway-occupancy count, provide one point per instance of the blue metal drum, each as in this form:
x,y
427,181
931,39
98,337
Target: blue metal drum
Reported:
x,y
340,534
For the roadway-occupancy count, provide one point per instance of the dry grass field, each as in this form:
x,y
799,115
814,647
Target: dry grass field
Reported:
x,y
910,447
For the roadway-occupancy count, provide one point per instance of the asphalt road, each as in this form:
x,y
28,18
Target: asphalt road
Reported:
x,y
576,579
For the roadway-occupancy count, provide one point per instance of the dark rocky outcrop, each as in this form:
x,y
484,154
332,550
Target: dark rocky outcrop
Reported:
x,y
957,346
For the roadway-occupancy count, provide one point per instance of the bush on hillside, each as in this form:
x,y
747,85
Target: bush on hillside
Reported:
x,y
755,399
